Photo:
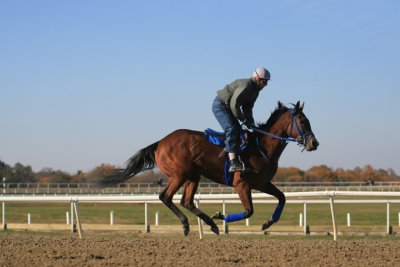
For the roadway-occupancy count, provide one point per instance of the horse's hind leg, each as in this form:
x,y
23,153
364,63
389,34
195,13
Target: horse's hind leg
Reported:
x,y
166,197
187,203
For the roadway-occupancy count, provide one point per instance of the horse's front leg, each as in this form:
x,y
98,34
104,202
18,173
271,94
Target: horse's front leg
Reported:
x,y
271,189
244,192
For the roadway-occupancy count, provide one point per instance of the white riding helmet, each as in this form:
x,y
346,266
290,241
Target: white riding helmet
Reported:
x,y
261,72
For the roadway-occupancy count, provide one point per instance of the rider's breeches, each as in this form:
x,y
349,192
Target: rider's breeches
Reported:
x,y
229,124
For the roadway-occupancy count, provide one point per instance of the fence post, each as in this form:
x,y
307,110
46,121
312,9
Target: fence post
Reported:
x,y
78,222
111,217
29,218
200,222
157,218
348,220
73,225
333,218
305,218
399,218
224,224
388,228
146,219
301,219
68,218
4,224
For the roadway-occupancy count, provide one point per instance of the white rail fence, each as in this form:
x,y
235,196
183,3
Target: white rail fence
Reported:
x,y
208,198
149,188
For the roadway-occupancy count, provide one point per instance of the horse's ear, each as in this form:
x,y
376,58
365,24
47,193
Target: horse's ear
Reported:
x,y
301,106
279,104
297,106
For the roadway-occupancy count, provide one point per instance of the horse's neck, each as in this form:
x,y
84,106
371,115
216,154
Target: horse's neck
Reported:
x,y
275,146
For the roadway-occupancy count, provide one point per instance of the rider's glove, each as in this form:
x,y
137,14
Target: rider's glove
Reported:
x,y
247,126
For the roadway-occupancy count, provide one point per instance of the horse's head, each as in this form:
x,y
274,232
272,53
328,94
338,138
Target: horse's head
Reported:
x,y
290,124
299,128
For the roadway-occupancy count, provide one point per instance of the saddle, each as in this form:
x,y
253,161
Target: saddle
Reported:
x,y
215,137
218,138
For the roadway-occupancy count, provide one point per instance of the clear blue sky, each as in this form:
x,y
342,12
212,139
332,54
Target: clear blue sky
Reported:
x,y
90,82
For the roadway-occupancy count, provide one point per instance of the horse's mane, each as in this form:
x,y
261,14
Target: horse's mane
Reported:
x,y
279,110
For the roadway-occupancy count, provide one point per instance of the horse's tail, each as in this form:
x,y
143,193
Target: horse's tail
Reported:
x,y
141,161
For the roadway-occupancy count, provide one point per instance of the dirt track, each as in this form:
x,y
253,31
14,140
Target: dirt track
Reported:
x,y
110,249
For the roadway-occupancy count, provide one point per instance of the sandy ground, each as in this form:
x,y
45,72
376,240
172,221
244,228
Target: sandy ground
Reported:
x,y
138,249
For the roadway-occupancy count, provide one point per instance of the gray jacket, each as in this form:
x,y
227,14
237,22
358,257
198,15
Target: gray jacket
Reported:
x,y
240,96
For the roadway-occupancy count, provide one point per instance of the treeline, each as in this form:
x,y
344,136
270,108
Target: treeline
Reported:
x,y
322,173
24,174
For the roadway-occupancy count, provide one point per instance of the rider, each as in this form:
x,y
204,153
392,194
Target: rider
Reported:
x,y
234,105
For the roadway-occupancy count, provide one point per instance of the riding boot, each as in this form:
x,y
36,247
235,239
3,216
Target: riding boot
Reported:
x,y
236,166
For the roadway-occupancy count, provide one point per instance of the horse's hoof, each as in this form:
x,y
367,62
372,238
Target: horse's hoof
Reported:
x,y
218,215
215,229
186,230
266,225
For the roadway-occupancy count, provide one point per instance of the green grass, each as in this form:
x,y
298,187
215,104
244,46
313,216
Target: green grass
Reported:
x,y
317,214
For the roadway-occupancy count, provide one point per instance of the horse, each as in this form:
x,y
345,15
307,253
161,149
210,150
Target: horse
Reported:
x,y
183,156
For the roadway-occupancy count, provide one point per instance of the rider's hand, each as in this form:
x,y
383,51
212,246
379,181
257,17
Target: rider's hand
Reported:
x,y
247,126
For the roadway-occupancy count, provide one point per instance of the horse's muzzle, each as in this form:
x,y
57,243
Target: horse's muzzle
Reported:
x,y
311,143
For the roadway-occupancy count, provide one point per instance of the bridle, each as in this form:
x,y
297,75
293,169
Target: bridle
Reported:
x,y
301,141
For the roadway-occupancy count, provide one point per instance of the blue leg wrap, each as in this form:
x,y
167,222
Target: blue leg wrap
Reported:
x,y
234,217
277,213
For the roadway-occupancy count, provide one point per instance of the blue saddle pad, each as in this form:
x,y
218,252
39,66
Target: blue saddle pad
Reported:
x,y
218,138
214,137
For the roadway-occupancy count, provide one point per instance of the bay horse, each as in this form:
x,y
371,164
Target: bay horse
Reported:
x,y
183,156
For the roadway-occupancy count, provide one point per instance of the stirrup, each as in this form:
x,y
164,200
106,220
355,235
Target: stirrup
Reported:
x,y
236,167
